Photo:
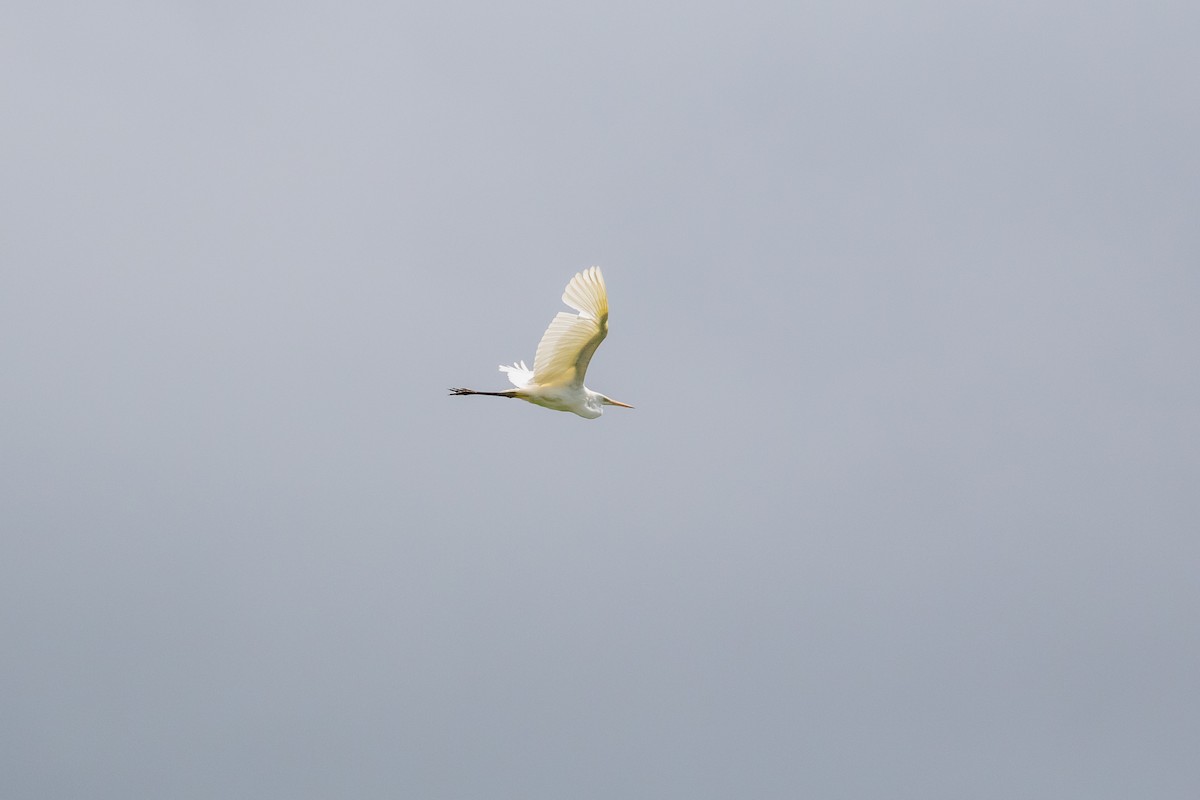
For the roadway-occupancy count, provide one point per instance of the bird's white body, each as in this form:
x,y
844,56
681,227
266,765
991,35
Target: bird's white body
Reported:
x,y
576,399
556,380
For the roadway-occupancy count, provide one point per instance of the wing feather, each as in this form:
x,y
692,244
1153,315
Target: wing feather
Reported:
x,y
518,374
567,345
587,295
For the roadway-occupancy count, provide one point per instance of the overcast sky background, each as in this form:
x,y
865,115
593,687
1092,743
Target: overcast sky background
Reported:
x,y
905,296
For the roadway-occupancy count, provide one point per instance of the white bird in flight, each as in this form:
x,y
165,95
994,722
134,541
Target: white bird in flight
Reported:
x,y
562,357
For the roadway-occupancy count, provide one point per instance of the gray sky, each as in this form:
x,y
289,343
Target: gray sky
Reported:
x,y
906,297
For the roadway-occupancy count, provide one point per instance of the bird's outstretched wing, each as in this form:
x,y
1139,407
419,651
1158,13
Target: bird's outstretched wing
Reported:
x,y
568,344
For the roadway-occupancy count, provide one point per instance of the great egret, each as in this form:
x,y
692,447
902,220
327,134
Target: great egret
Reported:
x,y
562,357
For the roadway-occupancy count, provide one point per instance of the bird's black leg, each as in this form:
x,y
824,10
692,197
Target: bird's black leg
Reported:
x,y
509,393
